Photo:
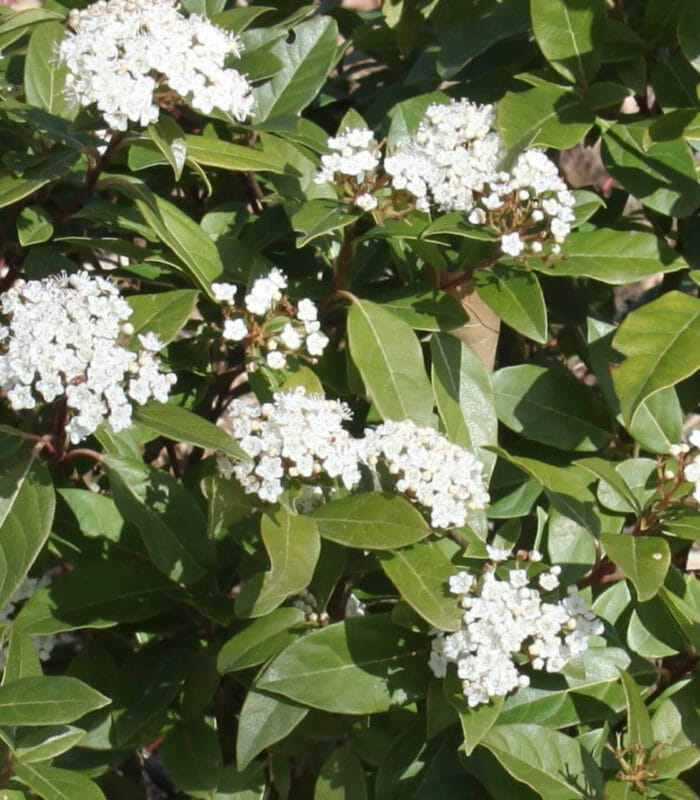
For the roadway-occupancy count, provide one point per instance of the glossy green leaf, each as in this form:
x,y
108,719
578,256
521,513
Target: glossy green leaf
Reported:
x,y
52,783
570,35
319,217
21,656
95,514
170,140
421,573
371,521
638,721
550,406
307,56
293,545
389,359
552,764
44,78
34,226
164,314
464,396
171,524
208,151
424,309
192,758
27,503
547,115
615,257
265,720
96,595
181,425
43,744
662,343
683,123
613,479
689,37
516,297
260,639
639,475
360,666
47,700
662,176
643,559
341,777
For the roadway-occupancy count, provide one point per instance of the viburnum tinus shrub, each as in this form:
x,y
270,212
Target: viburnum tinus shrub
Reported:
x,y
349,443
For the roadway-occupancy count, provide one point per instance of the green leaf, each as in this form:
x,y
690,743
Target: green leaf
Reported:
x,y
359,666
293,545
265,719
662,343
467,38
516,297
96,595
149,679
261,639
250,784
34,226
388,356
639,475
661,20
52,783
550,406
171,523
192,758
638,722
476,721
47,700
208,151
307,54
341,777
319,217
570,35
424,308
609,475
547,115
164,314
27,503
44,79
684,123
689,37
421,573
182,425
43,744
661,177
176,230
464,396
554,765
14,188
615,257
21,657
371,521
170,140
643,559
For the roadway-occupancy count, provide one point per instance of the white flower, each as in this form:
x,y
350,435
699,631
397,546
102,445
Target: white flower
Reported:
x,y
316,343
235,330
429,469
512,244
296,436
290,337
548,581
265,293
504,618
224,292
63,337
366,201
120,52
276,360
694,438
307,311
498,553
354,154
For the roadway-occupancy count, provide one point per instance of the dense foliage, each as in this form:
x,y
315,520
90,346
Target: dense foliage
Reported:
x,y
349,446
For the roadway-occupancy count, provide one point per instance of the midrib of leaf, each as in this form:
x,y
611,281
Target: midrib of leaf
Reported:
x,y
49,785
296,69
424,587
9,503
408,655
570,30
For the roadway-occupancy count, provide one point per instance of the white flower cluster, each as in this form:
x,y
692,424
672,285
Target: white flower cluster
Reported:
x,y
429,469
300,333
295,436
354,157
503,618
121,52
301,436
691,471
64,336
453,162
